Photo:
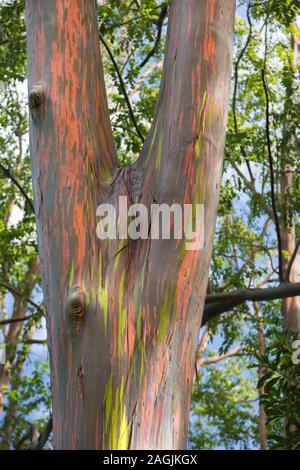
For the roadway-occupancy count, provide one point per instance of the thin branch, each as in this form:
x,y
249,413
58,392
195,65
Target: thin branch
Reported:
x,y
201,350
268,278
23,439
44,436
15,320
147,72
160,23
270,157
204,341
18,185
215,359
251,187
236,80
30,435
123,88
217,304
250,184
293,257
34,341
15,291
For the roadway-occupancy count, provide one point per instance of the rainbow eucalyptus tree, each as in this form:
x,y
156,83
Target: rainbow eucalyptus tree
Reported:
x,y
123,316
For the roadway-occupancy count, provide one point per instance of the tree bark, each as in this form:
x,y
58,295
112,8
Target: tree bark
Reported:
x,y
262,423
123,316
290,306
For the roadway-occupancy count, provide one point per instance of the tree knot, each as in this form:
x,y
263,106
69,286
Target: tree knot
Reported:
x,y
77,303
37,98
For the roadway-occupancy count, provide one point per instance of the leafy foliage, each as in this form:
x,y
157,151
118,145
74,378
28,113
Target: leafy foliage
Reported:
x,y
223,407
281,398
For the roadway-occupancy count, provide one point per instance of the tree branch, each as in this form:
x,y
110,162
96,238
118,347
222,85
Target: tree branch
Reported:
x,y
146,73
44,436
216,304
34,341
215,359
23,439
250,185
160,23
293,257
15,291
236,79
18,185
123,88
269,146
15,320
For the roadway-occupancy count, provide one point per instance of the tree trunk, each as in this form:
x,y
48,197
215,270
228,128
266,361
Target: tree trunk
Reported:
x,y
12,335
262,423
290,306
123,316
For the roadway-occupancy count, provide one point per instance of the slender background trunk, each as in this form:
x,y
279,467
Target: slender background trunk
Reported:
x,y
123,316
290,306
263,437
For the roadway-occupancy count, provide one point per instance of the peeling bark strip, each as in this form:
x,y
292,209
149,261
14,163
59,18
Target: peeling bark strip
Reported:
x,y
123,318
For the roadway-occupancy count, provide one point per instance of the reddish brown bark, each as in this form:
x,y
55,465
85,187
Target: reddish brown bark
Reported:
x,y
123,317
262,423
290,306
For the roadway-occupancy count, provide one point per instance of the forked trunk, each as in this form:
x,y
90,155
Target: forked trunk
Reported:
x,y
123,315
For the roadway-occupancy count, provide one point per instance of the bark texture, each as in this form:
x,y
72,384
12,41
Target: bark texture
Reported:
x,y
123,316
290,306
